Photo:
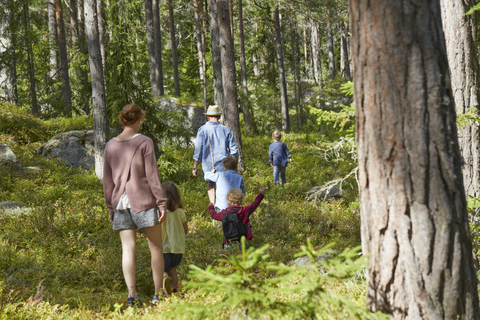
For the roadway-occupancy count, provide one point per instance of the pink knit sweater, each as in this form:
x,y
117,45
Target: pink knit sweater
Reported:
x,y
131,165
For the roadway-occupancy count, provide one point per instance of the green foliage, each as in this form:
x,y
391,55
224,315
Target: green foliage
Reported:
x,y
464,119
291,292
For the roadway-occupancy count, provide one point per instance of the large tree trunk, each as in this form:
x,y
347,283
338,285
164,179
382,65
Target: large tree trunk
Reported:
x,y
151,45
414,220
99,105
159,90
316,62
216,59
31,69
198,8
331,55
281,72
344,60
229,77
74,25
460,35
52,37
243,66
174,49
62,49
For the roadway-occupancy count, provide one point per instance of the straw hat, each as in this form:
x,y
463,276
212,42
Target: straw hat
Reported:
x,y
213,111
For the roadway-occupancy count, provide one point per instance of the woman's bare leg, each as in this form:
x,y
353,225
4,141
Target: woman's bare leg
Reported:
x,y
154,236
129,247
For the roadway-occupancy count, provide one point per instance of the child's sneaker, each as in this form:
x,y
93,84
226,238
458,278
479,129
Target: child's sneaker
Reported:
x,y
167,285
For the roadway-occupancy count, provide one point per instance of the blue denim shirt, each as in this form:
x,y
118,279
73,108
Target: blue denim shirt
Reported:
x,y
223,145
278,154
225,181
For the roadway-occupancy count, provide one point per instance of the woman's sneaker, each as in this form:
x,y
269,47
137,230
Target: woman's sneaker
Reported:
x,y
134,303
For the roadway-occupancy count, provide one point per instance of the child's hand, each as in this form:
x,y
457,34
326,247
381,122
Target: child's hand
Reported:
x,y
271,164
210,204
290,160
261,190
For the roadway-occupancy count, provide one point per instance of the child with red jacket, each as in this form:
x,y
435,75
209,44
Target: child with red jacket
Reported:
x,y
235,198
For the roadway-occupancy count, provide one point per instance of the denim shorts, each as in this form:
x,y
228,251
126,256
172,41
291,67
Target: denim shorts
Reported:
x,y
172,260
128,219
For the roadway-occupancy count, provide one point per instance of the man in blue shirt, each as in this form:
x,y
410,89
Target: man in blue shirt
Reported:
x,y
214,142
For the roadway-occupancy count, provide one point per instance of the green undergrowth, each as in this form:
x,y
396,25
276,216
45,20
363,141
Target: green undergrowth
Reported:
x,y
62,260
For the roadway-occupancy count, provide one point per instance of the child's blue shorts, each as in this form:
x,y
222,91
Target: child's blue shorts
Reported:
x,y
172,260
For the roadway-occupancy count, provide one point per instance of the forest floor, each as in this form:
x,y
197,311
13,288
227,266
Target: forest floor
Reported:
x,y
62,260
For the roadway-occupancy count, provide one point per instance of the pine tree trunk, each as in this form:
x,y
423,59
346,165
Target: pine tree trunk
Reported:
x,y
216,59
62,49
52,37
151,45
81,26
331,54
413,209
281,72
101,32
198,8
99,105
460,35
344,60
74,25
249,127
159,90
229,77
306,68
316,62
174,49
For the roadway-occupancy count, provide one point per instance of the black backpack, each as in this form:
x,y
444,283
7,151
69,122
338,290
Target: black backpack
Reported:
x,y
233,228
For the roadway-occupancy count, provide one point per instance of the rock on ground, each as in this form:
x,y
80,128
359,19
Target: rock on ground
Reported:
x,y
8,158
74,148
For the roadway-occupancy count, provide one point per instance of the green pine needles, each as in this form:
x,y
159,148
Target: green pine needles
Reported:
x,y
317,290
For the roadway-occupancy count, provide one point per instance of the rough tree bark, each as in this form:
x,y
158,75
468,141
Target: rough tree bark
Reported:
x,y
229,77
31,69
216,60
316,62
158,49
99,104
62,49
174,49
198,8
460,35
281,72
413,207
331,54
344,60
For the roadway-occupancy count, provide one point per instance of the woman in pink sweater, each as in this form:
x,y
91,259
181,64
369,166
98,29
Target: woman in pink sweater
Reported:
x,y
134,197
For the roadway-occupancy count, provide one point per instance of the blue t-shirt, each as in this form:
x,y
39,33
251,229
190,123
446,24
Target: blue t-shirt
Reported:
x,y
225,181
278,154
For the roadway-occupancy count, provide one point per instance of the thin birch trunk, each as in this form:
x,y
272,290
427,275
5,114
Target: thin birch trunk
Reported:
x,y
158,49
216,59
101,32
74,25
344,60
52,37
151,45
31,69
331,54
316,62
198,8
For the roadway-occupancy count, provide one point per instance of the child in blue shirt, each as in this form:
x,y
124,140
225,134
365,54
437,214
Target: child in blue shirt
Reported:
x,y
279,157
225,181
